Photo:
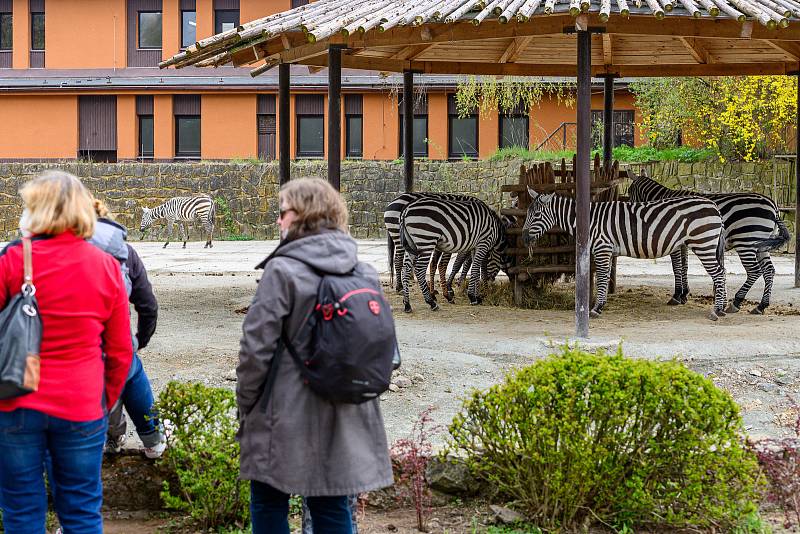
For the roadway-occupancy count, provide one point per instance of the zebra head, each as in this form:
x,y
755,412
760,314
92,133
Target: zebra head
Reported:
x,y
540,217
147,219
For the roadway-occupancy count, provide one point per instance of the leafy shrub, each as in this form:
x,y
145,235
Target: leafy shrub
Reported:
x,y
623,153
203,454
581,437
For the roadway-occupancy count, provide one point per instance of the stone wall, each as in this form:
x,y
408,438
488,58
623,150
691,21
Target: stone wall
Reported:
x,y
250,190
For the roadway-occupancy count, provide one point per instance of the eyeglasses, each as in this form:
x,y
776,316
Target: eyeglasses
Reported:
x,y
284,212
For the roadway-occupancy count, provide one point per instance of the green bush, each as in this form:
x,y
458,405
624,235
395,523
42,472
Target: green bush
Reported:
x,y
624,154
203,454
578,438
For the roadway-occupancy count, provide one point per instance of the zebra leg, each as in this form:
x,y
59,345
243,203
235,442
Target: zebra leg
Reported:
x,y
408,264
684,274
399,256
467,268
420,266
450,294
481,251
717,273
603,256
769,275
184,233
209,227
753,270
677,270
444,261
169,232
435,259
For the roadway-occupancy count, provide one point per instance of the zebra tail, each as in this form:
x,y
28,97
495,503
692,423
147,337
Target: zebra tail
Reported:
x,y
390,247
775,242
405,240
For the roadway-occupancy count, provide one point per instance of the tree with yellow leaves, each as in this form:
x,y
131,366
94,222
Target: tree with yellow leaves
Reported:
x,y
741,118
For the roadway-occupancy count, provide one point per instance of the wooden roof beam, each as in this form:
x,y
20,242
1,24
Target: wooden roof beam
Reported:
x,y
608,57
515,49
412,52
790,50
697,50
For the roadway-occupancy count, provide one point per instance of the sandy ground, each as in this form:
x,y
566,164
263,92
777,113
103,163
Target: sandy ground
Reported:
x,y
449,352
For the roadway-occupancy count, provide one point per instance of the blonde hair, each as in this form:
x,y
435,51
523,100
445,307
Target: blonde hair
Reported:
x,y
100,209
57,201
317,206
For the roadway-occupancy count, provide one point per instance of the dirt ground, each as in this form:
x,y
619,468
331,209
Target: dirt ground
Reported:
x,y
449,352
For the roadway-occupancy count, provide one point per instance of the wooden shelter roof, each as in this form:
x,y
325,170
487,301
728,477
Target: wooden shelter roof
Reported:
x,y
519,37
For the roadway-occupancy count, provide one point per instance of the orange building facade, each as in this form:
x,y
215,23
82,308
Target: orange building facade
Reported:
x,y
79,79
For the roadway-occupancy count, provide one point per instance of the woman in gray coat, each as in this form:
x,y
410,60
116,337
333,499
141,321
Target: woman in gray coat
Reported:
x,y
295,442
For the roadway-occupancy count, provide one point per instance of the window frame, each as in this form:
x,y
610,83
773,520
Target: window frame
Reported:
x,y
401,128
300,152
347,152
184,11
218,23
139,30
298,3
11,37
34,15
187,155
527,119
142,155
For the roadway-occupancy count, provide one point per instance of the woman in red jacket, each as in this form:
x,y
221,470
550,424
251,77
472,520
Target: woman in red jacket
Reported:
x,y
85,354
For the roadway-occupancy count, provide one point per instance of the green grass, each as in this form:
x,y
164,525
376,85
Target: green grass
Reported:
x,y
622,153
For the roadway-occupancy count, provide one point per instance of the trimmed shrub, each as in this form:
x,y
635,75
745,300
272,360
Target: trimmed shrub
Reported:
x,y
578,438
203,454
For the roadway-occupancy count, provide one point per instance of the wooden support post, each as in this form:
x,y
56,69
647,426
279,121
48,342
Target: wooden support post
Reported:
x,y
582,191
335,116
408,129
608,147
797,196
284,123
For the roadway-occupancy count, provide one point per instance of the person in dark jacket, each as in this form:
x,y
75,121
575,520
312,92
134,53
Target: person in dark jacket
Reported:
x,y
296,442
137,397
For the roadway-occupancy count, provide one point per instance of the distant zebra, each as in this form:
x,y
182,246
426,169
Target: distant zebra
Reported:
x,y
750,221
452,226
391,219
639,230
183,210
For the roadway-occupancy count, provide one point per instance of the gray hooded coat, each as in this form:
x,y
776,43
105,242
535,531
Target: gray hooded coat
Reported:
x,y
302,444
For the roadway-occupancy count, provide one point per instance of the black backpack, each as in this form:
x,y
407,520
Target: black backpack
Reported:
x,y
353,343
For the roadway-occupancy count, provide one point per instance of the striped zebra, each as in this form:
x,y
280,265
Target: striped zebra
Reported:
x,y
183,210
638,230
750,221
391,219
452,226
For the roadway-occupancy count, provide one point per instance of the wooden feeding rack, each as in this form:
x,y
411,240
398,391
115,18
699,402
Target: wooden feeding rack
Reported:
x,y
553,254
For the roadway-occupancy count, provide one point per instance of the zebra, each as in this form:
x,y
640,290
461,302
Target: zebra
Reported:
x,y
391,219
749,219
183,210
639,230
452,226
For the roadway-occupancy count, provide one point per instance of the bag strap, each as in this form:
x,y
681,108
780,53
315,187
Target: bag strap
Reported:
x,y
27,267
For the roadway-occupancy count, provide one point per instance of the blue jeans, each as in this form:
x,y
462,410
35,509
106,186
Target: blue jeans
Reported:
x,y
76,450
137,397
269,511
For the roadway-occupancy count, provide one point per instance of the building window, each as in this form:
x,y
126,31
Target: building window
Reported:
x,y
310,126
225,19
97,128
514,128
188,28
420,133
187,136
149,29
298,3
187,126
6,31
146,135
266,126
462,133
354,126
37,31
623,127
